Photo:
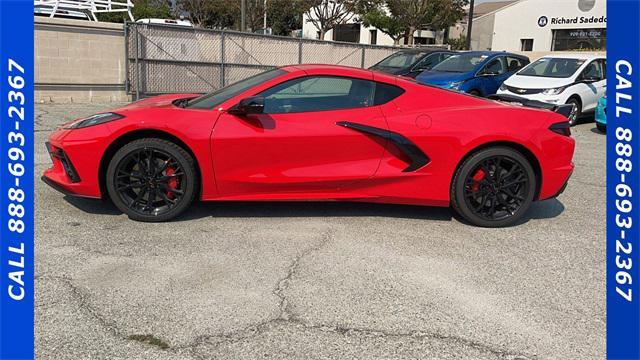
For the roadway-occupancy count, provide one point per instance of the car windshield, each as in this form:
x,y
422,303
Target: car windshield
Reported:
x,y
552,67
401,59
460,63
211,100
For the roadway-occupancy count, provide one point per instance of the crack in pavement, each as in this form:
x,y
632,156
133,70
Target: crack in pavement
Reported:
x,y
286,317
283,284
82,297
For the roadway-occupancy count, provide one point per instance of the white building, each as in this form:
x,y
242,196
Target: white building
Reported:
x,y
353,31
543,25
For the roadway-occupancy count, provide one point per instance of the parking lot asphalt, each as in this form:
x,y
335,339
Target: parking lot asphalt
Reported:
x,y
320,280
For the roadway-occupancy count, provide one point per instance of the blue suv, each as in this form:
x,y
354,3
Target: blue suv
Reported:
x,y
477,73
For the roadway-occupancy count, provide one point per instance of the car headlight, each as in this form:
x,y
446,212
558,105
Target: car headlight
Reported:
x,y
455,85
92,120
503,87
554,91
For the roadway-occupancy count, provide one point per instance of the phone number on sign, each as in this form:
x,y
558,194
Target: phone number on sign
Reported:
x,y
623,188
16,167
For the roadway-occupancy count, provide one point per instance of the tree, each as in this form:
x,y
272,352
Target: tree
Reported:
x,y
142,9
401,18
375,14
327,14
284,16
385,23
218,14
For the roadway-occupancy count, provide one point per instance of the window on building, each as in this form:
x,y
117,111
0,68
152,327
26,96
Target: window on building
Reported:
x,y
423,41
579,39
373,36
526,44
347,33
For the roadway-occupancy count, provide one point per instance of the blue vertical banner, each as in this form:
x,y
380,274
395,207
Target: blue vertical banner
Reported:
x,y
623,180
16,179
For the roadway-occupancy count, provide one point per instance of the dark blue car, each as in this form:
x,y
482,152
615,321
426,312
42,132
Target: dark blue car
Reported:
x,y
478,73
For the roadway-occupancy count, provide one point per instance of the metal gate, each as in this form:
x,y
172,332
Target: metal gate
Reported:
x,y
170,59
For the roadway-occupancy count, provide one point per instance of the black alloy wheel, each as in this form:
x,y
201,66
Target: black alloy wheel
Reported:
x,y
493,187
151,180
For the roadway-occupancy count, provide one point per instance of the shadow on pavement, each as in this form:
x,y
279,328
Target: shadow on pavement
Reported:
x,y
539,210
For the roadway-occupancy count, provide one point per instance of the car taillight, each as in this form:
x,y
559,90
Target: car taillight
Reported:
x,y
562,128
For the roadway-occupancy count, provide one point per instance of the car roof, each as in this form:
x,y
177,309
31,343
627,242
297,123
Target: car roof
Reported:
x,y
422,50
491,53
574,55
339,70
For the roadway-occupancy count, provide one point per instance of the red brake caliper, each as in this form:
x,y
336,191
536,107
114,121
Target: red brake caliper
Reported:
x,y
173,182
477,177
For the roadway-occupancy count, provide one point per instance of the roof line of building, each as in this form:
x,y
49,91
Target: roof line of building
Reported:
x,y
500,9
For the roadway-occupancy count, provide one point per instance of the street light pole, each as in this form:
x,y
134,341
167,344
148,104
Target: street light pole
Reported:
x,y
470,25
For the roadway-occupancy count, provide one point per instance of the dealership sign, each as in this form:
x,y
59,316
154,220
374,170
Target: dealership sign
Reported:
x,y
560,20
623,181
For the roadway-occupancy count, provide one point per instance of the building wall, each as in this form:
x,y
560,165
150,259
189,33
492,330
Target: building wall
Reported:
x,y
482,32
520,21
309,31
79,61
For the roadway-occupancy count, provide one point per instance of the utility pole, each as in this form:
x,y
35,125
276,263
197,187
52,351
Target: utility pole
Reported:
x,y
243,13
264,21
469,25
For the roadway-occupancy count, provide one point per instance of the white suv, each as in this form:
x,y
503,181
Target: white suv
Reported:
x,y
578,79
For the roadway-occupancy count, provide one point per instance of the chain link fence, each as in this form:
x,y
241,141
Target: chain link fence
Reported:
x,y
169,59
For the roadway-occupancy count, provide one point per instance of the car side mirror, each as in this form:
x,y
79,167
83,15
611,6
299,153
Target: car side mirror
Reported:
x,y
250,105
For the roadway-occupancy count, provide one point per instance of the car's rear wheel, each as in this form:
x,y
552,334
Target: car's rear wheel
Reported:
x,y
576,112
152,180
494,187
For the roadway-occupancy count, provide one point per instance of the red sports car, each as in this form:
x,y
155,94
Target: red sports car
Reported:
x,y
317,132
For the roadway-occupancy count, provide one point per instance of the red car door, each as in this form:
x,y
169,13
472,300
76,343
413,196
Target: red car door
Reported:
x,y
295,146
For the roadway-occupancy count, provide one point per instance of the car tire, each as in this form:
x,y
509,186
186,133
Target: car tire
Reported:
x,y
574,117
488,198
152,180
601,127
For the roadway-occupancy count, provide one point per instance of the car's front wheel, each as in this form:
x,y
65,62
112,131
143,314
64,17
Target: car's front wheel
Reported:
x,y
151,180
494,187
576,111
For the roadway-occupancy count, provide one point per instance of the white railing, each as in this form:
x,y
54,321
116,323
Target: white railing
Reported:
x,y
92,7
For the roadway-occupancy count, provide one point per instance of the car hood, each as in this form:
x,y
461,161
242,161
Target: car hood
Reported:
x,y
536,82
437,77
158,101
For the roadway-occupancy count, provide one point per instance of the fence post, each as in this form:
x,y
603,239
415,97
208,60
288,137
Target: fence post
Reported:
x,y
222,72
126,57
300,50
362,58
137,43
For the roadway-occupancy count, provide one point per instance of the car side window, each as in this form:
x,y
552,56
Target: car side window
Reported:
x,y
495,67
318,93
594,70
603,64
428,62
514,64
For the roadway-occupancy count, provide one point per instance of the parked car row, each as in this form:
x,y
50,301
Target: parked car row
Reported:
x,y
576,79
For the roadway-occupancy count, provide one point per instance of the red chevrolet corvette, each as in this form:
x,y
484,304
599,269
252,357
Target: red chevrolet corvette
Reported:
x,y
317,132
